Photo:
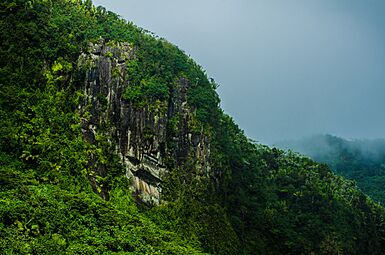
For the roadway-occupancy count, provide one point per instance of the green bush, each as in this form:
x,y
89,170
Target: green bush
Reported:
x,y
148,91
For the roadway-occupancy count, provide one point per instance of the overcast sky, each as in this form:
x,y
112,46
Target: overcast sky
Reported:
x,y
286,69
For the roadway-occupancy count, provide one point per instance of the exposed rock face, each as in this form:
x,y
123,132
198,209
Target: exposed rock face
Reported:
x,y
141,135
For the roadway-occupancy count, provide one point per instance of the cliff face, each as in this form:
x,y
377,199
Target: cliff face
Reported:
x,y
75,113
144,137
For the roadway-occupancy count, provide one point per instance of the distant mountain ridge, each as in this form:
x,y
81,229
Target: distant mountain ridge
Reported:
x,y
360,160
112,141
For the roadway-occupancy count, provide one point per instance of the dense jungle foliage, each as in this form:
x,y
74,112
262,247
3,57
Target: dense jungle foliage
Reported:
x,y
358,160
256,200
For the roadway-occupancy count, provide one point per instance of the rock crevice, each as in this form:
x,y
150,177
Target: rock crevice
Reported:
x,y
141,135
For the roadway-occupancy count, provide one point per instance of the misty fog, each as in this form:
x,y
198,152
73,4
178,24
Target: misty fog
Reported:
x,y
286,69
328,146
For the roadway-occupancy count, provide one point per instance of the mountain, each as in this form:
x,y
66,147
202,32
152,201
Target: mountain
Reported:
x,y
113,142
359,160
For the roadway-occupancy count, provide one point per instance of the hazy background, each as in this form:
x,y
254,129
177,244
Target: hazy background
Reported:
x,y
286,69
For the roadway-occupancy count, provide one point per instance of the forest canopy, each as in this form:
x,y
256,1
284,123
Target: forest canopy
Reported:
x,y
254,200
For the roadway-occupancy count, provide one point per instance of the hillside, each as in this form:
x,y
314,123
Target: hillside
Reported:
x,y
358,160
113,142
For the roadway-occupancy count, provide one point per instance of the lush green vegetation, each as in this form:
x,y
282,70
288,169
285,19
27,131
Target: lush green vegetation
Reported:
x,y
283,203
358,160
47,204
256,200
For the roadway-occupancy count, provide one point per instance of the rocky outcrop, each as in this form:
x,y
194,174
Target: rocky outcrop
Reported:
x,y
143,137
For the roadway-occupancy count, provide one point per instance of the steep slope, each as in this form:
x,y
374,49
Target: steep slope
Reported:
x,y
359,160
139,128
112,142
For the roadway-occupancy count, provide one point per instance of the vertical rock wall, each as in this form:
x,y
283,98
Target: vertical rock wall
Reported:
x,y
141,135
